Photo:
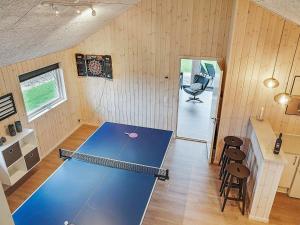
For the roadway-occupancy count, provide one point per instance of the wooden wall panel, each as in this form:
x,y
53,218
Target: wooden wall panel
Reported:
x,y
145,43
251,59
56,124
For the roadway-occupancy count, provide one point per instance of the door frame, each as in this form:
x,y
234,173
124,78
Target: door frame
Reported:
x,y
221,64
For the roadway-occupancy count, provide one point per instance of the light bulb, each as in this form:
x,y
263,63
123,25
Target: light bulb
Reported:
x,y
45,4
271,83
94,12
55,10
282,98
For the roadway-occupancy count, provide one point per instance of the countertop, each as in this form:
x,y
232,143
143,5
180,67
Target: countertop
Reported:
x,y
266,139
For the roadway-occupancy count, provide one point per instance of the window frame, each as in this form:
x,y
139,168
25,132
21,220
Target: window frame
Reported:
x,y
59,77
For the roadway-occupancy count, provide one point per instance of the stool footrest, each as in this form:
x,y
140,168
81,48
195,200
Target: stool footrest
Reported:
x,y
233,185
234,199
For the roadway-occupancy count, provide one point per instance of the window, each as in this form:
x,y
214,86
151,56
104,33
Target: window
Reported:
x,y
42,90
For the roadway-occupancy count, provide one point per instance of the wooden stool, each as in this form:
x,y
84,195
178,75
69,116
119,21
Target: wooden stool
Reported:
x,y
241,173
231,154
230,141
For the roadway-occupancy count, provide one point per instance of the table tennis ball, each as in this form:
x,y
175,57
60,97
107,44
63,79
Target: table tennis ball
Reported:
x,y
66,222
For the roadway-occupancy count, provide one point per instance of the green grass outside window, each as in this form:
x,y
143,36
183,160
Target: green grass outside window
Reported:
x,y
38,96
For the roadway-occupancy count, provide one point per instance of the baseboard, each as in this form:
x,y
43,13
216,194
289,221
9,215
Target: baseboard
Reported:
x,y
62,139
71,132
91,124
259,219
282,190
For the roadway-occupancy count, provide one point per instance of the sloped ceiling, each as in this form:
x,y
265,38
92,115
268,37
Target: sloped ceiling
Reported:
x,y
29,30
289,9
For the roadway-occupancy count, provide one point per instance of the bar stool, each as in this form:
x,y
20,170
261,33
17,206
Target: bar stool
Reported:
x,y
241,173
231,154
230,141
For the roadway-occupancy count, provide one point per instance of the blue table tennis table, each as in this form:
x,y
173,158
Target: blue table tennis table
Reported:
x,y
87,194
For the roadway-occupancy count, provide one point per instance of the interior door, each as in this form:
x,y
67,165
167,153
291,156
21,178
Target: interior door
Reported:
x,y
217,83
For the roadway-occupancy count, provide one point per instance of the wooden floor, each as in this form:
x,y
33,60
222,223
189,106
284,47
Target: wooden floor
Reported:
x,y
189,197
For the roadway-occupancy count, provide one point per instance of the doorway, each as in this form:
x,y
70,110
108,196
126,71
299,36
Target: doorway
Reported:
x,y
200,83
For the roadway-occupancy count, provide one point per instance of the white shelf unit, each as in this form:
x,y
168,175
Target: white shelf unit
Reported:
x,y
18,156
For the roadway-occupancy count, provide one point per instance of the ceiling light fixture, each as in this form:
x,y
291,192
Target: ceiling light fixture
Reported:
x,y
55,9
272,82
284,98
94,13
75,4
78,10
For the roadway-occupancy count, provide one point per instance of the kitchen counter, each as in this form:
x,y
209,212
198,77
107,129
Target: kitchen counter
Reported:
x,y
265,169
267,138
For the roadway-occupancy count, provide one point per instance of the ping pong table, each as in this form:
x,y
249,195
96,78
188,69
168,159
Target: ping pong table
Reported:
x,y
82,193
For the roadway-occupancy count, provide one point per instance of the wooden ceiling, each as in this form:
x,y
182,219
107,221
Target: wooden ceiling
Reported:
x,y
289,9
29,30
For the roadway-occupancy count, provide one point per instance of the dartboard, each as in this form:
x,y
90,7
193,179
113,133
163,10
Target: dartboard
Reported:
x,y
99,66
94,67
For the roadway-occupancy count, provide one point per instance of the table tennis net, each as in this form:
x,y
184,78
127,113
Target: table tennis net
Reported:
x,y
160,173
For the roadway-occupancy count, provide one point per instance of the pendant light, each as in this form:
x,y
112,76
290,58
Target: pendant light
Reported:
x,y
284,98
271,82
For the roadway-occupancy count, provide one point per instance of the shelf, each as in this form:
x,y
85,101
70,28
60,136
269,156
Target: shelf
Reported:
x,y
27,148
27,142
11,140
16,162
17,175
17,171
